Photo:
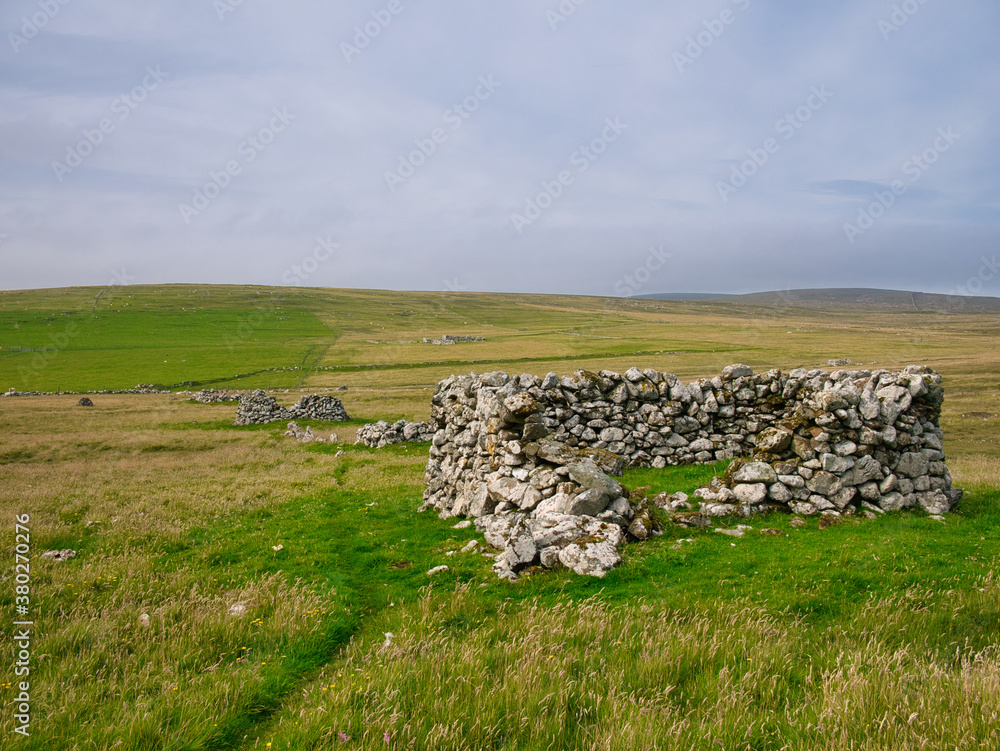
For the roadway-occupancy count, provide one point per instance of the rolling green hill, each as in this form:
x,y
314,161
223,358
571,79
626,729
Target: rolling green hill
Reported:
x,y
178,336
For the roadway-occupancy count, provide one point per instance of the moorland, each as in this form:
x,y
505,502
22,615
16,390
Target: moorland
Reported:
x,y
236,589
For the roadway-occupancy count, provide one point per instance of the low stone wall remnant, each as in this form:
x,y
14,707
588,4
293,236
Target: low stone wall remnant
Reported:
x,y
212,396
447,339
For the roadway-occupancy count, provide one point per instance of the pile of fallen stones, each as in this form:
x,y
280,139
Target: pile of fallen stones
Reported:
x,y
525,456
258,408
382,433
305,435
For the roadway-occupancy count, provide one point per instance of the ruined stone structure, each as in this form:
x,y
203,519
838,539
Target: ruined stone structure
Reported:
x,y
257,408
528,455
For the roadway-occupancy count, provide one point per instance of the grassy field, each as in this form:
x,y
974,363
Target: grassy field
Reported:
x,y
880,635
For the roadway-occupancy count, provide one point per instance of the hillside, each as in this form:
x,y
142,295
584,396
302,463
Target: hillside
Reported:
x,y
180,336
847,298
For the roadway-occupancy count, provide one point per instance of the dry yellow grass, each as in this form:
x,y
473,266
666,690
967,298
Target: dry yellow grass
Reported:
x,y
135,464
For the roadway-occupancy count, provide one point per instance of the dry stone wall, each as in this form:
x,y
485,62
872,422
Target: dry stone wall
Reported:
x,y
212,396
258,408
525,455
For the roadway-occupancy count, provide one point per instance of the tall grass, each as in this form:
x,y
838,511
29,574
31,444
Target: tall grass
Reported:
x,y
591,675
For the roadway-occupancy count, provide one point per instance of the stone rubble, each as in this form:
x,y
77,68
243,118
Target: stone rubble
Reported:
x,y
307,436
532,459
258,408
59,555
446,340
381,433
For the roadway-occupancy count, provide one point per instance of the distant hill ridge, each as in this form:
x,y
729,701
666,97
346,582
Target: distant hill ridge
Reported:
x,y
869,299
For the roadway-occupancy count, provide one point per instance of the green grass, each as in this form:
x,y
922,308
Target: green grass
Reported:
x,y
248,337
131,338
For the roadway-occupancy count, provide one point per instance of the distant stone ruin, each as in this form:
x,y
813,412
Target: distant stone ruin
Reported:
x,y
381,433
85,402
533,459
258,408
446,339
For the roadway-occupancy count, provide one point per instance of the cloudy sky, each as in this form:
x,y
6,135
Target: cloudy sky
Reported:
x,y
582,147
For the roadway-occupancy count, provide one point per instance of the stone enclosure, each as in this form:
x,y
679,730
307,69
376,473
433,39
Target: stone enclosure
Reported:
x,y
533,459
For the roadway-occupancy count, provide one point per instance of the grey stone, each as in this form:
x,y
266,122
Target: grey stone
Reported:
x,y
793,481
836,464
824,483
590,502
550,557
780,492
590,558
732,372
934,502
893,502
750,493
912,465
774,440
753,472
